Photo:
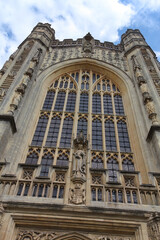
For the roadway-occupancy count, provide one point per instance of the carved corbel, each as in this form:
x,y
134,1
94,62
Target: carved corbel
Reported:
x,y
154,227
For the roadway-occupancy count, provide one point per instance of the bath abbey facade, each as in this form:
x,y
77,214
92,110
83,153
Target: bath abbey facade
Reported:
x,y
80,139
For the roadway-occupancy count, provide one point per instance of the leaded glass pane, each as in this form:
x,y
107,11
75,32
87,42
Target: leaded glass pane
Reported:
x,y
96,103
66,132
123,137
40,131
83,107
53,132
60,101
110,136
71,101
107,103
118,105
48,100
97,135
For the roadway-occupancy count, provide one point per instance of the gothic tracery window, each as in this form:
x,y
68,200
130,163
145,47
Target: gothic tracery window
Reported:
x,y
81,101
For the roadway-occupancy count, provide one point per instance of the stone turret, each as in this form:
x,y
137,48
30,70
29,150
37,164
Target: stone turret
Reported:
x,y
132,39
43,33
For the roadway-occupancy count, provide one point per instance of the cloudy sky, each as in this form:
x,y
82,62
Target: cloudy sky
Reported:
x,y
105,19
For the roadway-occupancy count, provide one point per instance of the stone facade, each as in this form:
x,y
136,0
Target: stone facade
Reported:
x,y
80,142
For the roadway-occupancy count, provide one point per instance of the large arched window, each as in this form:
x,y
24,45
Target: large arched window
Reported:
x,y
82,101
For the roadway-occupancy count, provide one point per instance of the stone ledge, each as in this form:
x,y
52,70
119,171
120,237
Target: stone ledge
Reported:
x,y
151,132
9,118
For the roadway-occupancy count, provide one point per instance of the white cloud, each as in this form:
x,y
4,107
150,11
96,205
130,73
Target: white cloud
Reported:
x,y
70,19
158,55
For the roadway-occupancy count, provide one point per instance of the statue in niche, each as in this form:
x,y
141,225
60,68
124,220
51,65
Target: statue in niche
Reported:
x,y
21,88
3,92
15,102
87,45
79,156
37,55
79,162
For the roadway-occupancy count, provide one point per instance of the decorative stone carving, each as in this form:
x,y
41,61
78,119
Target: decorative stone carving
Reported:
x,y
15,102
154,227
79,163
77,195
79,156
27,174
77,192
147,99
129,181
34,235
3,92
37,55
87,45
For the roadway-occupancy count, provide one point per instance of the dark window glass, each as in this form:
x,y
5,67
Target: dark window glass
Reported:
x,y
66,132
93,194
110,136
40,131
66,84
123,137
40,190
46,190
77,76
118,105
61,191
120,196
20,189
114,87
32,158
55,190
107,103
128,165
82,126
83,107
48,100
56,83
47,161
34,190
112,166
26,189
128,196
99,194
53,132
96,103
71,101
134,194
97,134
114,196
97,163
62,160
61,84
60,101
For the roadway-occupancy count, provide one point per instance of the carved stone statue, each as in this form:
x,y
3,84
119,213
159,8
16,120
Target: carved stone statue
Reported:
x,y
79,156
15,102
3,92
79,162
37,55
87,45
144,88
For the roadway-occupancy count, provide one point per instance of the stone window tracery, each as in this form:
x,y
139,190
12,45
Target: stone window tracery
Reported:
x,y
81,101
